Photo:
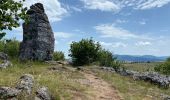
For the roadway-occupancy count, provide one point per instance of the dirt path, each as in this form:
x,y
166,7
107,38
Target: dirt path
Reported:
x,y
100,89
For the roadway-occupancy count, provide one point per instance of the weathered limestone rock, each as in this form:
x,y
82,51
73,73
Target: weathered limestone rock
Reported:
x,y
152,77
4,60
26,83
43,94
7,93
24,90
38,37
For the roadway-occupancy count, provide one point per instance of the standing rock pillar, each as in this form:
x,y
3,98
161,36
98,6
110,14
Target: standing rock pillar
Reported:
x,y
38,37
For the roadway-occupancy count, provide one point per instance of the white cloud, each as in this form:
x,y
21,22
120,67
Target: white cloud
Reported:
x,y
19,29
62,35
53,8
109,30
113,45
112,31
152,4
119,21
103,5
106,44
119,44
76,9
143,43
142,22
116,5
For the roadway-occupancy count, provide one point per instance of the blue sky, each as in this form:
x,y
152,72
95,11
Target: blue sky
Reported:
x,y
133,27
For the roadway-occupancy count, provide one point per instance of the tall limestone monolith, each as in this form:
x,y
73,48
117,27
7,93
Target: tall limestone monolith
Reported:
x,y
38,37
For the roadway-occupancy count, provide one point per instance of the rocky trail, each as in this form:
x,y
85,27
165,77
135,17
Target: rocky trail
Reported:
x,y
100,89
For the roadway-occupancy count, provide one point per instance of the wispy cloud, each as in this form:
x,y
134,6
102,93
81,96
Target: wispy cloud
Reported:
x,y
113,45
103,5
143,43
76,9
120,21
53,8
112,31
148,4
116,5
143,22
62,35
109,30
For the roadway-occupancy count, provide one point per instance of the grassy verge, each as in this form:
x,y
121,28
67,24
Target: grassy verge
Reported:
x,y
141,67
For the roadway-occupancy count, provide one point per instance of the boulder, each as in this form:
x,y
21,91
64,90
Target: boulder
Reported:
x,y
7,93
154,78
109,69
38,37
26,83
43,94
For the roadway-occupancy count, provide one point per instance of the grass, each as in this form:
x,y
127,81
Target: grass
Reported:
x,y
61,84
141,67
133,90
64,85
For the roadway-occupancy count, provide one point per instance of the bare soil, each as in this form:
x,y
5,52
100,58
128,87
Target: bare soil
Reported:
x,y
100,89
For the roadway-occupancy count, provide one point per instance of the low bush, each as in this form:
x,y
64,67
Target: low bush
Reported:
x,y
107,59
58,55
164,68
10,47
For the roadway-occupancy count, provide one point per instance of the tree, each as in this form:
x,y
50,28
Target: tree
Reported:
x,y
11,12
84,52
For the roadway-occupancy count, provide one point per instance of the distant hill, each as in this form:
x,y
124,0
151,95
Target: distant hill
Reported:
x,y
137,58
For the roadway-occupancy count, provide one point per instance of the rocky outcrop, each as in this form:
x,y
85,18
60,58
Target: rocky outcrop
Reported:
x,y
24,89
4,60
38,37
26,83
152,77
43,94
7,93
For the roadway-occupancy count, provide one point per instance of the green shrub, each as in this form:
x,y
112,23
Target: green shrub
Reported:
x,y
88,51
163,68
10,47
58,55
84,52
107,59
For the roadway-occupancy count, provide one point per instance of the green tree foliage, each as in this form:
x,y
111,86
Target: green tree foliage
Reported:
x,y
107,59
164,68
88,51
10,14
58,55
84,52
10,47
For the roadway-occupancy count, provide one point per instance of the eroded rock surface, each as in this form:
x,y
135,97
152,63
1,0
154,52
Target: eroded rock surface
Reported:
x,y
7,93
4,60
43,94
38,37
26,83
152,77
